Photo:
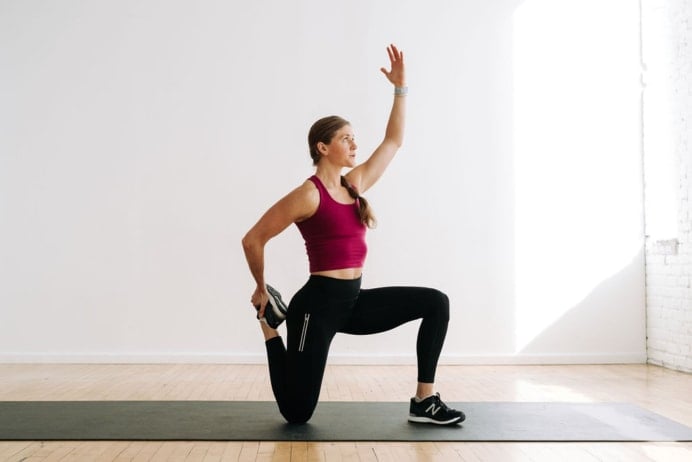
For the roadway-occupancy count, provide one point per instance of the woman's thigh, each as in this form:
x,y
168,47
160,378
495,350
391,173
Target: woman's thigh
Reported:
x,y
384,308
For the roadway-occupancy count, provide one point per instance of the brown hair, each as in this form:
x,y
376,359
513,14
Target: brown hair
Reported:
x,y
323,131
364,210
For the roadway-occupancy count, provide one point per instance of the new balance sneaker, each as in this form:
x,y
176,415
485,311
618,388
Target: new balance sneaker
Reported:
x,y
433,410
275,312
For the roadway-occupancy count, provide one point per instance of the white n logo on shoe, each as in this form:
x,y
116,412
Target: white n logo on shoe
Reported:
x,y
432,409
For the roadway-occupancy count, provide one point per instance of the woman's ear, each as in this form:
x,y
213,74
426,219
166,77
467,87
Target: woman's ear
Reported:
x,y
322,148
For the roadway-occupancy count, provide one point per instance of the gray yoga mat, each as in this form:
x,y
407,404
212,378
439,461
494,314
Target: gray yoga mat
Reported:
x,y
332,421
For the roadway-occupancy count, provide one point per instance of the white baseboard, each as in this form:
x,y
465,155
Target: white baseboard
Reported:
x,y
219,358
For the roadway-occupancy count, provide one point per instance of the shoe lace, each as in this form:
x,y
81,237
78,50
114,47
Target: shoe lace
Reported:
x,y
439,402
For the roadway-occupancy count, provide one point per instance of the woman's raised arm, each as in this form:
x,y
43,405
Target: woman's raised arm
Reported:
x,y
366,174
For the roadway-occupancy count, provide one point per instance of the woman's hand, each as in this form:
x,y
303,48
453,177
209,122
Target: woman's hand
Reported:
x,y
397,74
259,300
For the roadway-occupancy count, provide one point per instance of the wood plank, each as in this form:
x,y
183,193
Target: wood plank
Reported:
x,y
660,390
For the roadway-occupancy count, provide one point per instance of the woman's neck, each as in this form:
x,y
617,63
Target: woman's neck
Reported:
x,y
330,177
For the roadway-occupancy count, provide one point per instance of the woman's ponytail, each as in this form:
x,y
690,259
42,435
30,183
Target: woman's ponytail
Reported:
x,y
364,209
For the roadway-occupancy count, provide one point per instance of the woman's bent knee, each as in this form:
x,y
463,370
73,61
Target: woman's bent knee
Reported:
x,y
300,416
440,303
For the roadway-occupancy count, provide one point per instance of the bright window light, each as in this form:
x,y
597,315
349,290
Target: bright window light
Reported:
x,y
577,153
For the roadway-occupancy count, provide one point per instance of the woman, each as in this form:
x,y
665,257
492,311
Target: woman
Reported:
x,y
332,216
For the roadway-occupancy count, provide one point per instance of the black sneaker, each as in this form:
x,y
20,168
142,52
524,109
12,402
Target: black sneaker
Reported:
x,y
275,312
433,410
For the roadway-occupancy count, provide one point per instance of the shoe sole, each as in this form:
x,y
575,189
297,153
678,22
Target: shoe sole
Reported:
x,y
278,305
418,419
278,308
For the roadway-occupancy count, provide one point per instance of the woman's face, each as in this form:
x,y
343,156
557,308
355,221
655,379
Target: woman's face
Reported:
x,y
341,150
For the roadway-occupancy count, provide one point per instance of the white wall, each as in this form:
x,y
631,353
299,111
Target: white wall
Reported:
x,y
139,140
667,57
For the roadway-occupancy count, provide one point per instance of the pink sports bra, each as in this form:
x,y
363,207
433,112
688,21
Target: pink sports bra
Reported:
x,y
334,235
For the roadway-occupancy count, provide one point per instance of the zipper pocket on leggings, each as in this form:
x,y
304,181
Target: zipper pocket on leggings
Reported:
x,y
304,333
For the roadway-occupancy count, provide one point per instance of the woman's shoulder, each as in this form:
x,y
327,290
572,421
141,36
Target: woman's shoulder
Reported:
x,y
308,188
303,200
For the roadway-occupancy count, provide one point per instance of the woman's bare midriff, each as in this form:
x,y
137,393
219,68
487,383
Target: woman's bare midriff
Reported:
x,y
345,273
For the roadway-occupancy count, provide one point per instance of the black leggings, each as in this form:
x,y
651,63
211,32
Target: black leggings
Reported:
x,y
325,306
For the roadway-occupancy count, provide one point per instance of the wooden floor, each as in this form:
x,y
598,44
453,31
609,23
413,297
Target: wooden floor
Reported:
x,y
660,390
